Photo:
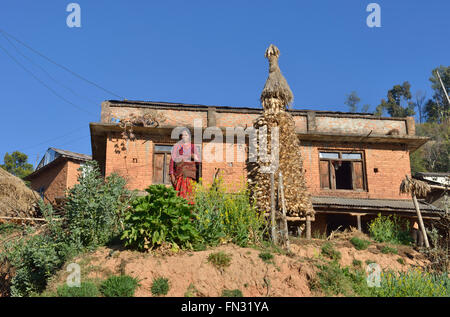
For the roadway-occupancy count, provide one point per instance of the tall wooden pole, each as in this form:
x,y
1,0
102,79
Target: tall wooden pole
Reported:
x,y
283,206
419,216
308,227
272,209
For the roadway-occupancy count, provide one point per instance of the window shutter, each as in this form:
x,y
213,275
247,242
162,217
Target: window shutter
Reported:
x,y
359,176
166,176
158,168
324,174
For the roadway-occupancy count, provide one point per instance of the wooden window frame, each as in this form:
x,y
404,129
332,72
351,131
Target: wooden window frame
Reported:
x,y
164,182
332,176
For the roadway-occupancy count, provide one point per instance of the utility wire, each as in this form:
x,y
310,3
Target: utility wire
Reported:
x,y
42,68
61,66
43,83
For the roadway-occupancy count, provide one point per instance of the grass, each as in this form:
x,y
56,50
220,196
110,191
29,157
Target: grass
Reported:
x,y
220,259
401,261
8,228
160,286
232,293
267,257
359,244
329,251
387,249
119,286
357,263
370,262
86,289
191,291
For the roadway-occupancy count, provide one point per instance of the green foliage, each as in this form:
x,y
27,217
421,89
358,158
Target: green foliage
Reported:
x,y
437,109
8,228
160,286
159,217
401,261
86,289
329,251
334,280
414,283
390,229
387,249
352,101
232,293
434,155
220,259
266,257
359,244
370,262
191,291
119,286
95,207
16,164
222,216
357,263
393,105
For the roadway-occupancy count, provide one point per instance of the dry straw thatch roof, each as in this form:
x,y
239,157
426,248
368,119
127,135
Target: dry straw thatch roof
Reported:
x,y
16,198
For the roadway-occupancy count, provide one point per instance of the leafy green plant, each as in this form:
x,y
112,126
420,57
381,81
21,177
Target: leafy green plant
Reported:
x,y
357,263
119,286
159,217
86,289
387,249
390,229
232,293
359,244
191,291
266,257
329,251
160,286
222,216
220,259
401,261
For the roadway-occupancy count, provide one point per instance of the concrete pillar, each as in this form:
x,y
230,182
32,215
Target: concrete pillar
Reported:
x,y
308,227
358,219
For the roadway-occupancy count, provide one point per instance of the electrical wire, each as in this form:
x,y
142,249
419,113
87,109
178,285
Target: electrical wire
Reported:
x,y
61,66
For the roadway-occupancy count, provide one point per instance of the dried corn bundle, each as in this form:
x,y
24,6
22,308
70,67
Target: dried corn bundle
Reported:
x,y
275,98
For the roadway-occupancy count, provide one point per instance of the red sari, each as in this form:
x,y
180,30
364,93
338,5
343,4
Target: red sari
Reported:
x,y
184,169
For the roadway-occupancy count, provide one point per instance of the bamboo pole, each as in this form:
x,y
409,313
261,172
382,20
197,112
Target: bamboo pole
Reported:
x,y
283,206
419,216
272,208
308,227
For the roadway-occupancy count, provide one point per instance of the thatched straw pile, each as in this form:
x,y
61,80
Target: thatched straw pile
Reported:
x,y
16,199
275,99
414,186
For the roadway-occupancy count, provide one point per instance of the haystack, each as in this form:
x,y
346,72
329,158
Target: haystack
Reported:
x,y
16,199
275,99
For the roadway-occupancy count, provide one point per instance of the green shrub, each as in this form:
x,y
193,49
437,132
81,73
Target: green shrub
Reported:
x,y
8,228
266,257
220,259
334,280
401,261
191,291
222,216
370,262
160,286
389,229
160,217
232,293
119,286
95,207
387,249
414,283
86,289
357,263
360,244
329,251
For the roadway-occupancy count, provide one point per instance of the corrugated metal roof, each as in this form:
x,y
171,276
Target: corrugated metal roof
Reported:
x,y
399,204
79,156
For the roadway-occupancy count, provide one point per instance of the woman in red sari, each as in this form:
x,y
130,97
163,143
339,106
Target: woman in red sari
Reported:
x,y
183,166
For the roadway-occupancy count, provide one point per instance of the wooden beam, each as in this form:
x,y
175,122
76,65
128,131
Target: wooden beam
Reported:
x,y
308,227
358,220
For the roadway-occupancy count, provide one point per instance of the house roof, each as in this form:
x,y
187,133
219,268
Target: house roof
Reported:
x,y
61,155
398,205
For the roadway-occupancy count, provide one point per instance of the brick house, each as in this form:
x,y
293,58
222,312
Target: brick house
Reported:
x,y
55,173
353,162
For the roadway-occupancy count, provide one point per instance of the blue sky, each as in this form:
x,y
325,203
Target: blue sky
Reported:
x,y
204,52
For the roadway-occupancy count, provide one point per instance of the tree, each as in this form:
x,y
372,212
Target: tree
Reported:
x,y
434,156
16,164
352,101
437,109
419,103
396,96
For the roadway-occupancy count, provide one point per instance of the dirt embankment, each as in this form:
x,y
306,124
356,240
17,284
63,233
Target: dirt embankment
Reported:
x,y
286,275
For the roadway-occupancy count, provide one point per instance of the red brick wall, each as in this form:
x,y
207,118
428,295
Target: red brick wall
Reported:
x,y
53,179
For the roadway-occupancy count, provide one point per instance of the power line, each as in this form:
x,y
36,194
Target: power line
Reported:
x,y
61,66
43,83
42,68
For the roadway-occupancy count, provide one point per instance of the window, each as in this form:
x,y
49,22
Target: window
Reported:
x,y
161,161
342,170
